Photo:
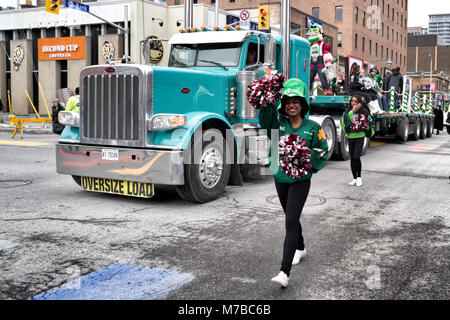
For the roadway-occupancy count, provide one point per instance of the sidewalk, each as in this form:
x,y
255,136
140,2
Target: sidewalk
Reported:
x,y
37,128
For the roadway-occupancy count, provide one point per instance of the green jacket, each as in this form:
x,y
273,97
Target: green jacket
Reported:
x,y
370,131
378,79
73,104
311,131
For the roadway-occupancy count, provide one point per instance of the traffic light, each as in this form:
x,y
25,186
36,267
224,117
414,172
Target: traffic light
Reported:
x,y
264,18
52,6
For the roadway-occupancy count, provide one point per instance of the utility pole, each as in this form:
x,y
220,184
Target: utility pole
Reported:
x,y
285,34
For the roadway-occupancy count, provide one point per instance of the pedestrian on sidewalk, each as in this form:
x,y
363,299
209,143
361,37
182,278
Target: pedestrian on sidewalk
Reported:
x,y
438,118
299,150
56,108
357,124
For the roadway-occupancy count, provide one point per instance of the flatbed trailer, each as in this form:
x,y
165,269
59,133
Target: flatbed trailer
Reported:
x,y
328,110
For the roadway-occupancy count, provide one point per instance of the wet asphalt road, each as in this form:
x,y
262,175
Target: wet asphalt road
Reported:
x,y
388,239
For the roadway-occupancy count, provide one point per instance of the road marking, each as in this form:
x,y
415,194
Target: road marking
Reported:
x,y
120,282
376,143
24,143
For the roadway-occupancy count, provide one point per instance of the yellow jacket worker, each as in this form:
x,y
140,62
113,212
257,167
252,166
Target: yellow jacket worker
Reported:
x,y
73,104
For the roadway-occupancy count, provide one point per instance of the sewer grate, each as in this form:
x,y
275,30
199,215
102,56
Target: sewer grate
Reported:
x,y
14,183
310,202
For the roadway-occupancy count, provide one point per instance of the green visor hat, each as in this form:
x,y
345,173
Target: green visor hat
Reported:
x,y
294,88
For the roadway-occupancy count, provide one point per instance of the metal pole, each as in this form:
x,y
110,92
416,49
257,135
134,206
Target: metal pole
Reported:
x,y
188,10
285,34
216,20
126,35
431,71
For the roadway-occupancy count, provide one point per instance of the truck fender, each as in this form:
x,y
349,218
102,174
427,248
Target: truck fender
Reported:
x,y
181,137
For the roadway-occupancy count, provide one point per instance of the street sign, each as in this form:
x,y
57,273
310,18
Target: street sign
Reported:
x,y
76,5
244,21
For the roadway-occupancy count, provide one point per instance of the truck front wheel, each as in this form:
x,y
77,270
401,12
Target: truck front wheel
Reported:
x,y
207,170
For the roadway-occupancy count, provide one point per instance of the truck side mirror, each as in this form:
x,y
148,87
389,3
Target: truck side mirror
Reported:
x,y
270,52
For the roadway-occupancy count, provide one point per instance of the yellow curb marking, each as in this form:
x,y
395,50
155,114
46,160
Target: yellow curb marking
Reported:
x,y
24,143
376,143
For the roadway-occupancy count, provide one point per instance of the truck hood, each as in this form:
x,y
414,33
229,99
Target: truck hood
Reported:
x,y
182,90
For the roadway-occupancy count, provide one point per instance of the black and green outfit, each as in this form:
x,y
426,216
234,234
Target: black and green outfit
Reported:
x,y
356,130
292,192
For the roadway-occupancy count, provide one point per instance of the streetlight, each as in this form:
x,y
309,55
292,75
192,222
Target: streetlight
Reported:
x,y
431,70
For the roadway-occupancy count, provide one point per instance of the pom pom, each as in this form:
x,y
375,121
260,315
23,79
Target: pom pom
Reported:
x,y
267,90
359,123
294,156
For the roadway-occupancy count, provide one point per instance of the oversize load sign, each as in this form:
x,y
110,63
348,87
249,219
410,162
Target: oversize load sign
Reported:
x,y
66,48
126,188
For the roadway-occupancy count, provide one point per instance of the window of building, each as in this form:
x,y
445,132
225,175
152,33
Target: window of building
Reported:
x,y
401,21
356,14
339,39
392,14
381,51
315,12
396,58
400,58
364,19
338,13
370,46
392,54
387,33
363,43
387,53
404,60
356,41
382,29
396,37
392,35
376,50
388,10
382,9
397,17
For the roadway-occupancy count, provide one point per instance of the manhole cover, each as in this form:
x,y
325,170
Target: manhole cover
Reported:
x,y
14,183
311,201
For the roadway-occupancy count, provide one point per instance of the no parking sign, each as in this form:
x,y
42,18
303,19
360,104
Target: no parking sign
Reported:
x,y
244,18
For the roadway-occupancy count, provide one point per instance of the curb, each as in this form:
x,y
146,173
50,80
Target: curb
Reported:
x,y
9,128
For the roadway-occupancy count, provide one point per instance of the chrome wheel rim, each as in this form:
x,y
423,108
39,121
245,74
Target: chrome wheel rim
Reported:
x,y
329,135
210,167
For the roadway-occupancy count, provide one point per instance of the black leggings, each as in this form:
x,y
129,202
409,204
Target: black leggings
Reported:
x,y
355,147
292,198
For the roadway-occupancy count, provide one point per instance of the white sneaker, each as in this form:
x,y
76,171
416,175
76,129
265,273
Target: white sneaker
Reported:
x,y
353,182
358,182
299,254
282,279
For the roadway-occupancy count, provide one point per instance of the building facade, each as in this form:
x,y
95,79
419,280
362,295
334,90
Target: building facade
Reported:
x,y
41,52
427,58
440,24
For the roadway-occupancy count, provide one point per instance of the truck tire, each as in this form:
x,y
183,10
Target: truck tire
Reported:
x,y
205,173
402,130
430,128
77,179
344,153
416,131
423,128
329,129
365,145
448,129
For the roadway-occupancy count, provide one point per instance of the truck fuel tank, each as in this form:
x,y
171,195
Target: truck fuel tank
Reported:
x,y
243,80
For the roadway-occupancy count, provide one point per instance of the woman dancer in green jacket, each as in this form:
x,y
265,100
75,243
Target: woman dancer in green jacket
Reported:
x,y
298,149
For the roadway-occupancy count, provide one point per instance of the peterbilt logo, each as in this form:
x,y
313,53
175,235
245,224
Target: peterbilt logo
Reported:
x,y
18,56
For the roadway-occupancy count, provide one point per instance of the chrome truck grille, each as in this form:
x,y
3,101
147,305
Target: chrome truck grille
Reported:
x,y
114,103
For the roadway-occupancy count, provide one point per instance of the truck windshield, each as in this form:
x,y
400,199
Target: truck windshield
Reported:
x,y
205,55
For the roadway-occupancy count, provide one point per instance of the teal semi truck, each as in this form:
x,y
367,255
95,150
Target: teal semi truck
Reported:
x,y
188,125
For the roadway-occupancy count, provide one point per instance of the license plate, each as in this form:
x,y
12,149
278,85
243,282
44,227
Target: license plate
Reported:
x,y
121,187
110,154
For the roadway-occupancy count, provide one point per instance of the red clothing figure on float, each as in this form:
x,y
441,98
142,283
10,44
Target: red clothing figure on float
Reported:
x,y
321,58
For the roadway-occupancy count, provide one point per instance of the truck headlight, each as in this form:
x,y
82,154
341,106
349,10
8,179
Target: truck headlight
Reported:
x,y
166,121
69,118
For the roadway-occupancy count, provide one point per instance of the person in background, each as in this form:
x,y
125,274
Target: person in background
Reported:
x,y
376,77
355,86
357,124
395,80
337,85
293,180
73,104
56,108
438,118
